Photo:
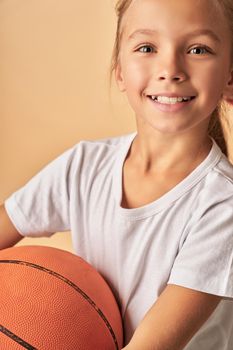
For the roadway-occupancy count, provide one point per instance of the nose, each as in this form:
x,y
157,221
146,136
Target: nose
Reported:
x,y
172,69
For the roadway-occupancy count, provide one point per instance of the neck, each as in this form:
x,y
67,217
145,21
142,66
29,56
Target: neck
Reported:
x,y
153,151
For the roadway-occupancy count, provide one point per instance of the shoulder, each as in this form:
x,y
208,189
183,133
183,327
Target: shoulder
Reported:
x,y
89,156
106,143
96,151
219,177
214,190
87,149
224,169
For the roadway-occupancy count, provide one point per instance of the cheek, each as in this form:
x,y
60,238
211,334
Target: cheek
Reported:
x,y
210,80
135,74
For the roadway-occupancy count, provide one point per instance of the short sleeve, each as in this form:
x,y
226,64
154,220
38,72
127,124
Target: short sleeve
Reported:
x,y
205,260
41,207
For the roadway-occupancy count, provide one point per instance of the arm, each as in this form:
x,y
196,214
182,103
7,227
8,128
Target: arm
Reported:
x,y
8,233
173,319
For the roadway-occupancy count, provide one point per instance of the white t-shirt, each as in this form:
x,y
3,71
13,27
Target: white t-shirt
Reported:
x,y
184,238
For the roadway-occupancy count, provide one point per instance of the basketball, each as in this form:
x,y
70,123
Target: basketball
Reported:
x,y
51,299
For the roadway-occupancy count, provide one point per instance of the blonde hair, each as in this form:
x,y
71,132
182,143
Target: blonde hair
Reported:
x,y
215,126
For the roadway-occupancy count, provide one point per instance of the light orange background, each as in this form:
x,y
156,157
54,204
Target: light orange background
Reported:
x,y
54,87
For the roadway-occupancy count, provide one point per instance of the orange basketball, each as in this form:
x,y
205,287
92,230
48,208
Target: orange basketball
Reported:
x,y
51,299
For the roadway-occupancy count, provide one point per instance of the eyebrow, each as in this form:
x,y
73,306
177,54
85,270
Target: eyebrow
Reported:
x,y
198,32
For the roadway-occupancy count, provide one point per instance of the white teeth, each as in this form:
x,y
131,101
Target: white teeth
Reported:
x,y
169,100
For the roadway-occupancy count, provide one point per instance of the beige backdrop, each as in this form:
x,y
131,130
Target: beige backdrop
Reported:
x,y
54,88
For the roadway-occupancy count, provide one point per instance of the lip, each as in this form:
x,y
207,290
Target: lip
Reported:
x,y
176,107
170,94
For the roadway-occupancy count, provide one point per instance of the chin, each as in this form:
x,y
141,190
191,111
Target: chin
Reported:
x,y
170,129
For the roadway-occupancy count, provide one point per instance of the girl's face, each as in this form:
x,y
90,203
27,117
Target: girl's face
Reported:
x,y
174,62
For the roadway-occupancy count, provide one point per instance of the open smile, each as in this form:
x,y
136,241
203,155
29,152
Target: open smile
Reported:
x,y
170,100
170,103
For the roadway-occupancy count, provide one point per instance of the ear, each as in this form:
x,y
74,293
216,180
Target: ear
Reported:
x,y
228,92
119,78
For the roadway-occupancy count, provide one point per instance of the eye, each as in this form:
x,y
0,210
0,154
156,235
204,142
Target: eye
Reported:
x,y
200,50
146,49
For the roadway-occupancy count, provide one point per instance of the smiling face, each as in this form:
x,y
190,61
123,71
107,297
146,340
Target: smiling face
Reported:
x,y
174,62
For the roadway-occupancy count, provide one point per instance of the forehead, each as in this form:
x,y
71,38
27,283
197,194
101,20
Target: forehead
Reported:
x,y
174,16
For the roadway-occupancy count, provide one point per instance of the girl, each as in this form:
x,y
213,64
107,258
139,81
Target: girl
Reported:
x,y
153,211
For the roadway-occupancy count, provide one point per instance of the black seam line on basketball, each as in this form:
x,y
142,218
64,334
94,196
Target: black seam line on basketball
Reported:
x,y
15,338
71,284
